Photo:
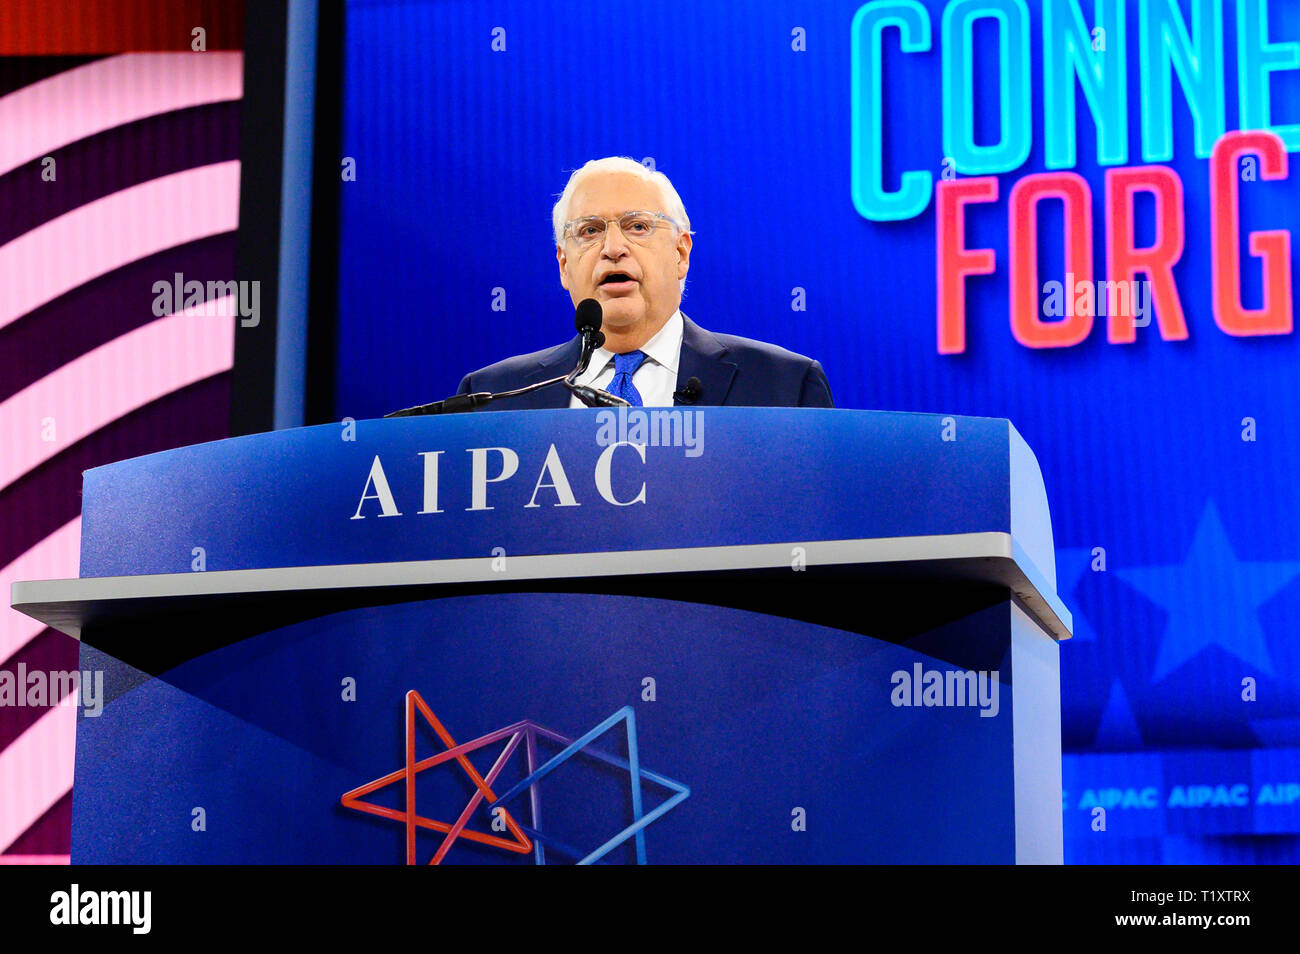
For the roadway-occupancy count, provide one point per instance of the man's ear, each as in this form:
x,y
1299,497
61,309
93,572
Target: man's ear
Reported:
x,y
683,254
560,258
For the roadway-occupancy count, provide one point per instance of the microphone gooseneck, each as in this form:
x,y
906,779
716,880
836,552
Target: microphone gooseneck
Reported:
x,y
587,319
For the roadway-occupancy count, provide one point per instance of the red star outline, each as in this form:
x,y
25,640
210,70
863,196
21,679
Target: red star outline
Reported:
x,y
519,843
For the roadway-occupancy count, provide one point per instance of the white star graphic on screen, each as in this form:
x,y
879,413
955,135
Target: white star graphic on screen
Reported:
x,y
1212,599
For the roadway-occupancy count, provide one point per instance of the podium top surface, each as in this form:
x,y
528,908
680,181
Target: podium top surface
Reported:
x,y
396,502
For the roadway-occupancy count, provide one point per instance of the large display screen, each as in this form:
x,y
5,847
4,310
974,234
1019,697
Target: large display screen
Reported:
x,y
1076,215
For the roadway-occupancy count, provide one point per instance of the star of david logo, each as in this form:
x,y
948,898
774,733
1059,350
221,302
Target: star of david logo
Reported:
x,y
519,737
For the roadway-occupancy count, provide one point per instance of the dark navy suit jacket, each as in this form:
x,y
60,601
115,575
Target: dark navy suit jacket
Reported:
x,y
736,372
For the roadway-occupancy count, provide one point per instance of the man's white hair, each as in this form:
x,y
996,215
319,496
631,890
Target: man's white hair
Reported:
x,y
673,206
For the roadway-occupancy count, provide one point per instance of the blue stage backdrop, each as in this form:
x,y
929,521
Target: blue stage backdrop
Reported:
x,y
924,196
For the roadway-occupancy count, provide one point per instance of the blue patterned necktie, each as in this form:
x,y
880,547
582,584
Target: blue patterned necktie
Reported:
x,y
625,366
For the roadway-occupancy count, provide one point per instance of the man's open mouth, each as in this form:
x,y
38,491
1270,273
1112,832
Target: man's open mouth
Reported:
x,y
616,277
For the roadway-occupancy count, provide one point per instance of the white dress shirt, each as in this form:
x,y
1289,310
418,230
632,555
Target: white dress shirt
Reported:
x,y
655,380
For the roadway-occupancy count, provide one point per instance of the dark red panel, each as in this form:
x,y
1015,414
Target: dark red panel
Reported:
x,y
62,27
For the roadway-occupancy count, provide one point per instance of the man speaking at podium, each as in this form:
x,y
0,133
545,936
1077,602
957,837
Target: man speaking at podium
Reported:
x,y
622,237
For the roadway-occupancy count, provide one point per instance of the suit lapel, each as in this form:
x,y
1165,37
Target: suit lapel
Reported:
x,y
703,357
559,360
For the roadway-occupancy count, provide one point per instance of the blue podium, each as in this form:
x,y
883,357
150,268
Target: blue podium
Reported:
x,y
731,635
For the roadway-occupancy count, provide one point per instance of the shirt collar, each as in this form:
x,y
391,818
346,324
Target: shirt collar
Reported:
x,y
664,348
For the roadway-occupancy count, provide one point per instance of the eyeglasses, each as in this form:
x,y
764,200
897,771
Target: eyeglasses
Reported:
x,y
637,227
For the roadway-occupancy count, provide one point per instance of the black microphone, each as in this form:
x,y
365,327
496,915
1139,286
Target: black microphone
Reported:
x,y
690,393
452,405
587,319
595,397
